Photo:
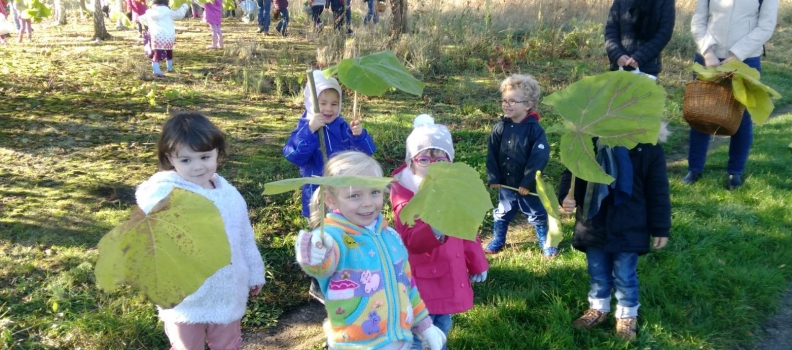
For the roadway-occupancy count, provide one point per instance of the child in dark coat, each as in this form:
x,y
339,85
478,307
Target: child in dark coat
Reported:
x,y
618,227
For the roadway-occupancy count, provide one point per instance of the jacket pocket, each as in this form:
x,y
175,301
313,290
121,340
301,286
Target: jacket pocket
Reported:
x,y
434,281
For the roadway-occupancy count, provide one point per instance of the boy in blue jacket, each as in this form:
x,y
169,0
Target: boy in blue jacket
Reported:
x,y
302,148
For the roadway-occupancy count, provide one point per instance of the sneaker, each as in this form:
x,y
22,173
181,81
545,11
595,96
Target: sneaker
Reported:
x,y
491,252
260,30
626,327
735,181
590,319
691,177
159,75
315,292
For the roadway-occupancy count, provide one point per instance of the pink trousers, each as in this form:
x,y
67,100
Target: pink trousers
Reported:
x,y
194,336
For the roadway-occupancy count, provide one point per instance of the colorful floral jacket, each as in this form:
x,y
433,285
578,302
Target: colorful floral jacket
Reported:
x,y
370,294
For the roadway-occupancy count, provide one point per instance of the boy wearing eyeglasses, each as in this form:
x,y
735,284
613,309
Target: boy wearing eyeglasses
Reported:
x,y
517,149
444,267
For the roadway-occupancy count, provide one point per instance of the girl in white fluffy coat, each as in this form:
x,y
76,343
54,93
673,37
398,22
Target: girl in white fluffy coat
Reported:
x,y
188,150
159,19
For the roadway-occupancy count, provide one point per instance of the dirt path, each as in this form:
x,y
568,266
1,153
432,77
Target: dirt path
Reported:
x,y
298,329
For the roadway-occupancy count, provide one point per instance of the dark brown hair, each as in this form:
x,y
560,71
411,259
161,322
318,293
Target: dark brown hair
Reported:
x,y
192,130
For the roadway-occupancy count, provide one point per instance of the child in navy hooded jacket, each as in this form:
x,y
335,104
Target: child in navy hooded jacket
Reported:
x,y
302,148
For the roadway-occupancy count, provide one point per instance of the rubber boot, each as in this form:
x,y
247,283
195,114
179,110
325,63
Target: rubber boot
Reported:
x,y
155,66
498,237
541,238
170,65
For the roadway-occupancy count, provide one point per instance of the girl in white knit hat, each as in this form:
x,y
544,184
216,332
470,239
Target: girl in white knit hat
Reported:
x,y
445,266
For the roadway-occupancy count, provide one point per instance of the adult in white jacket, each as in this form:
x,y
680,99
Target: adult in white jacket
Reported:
x,y
729,30
188,150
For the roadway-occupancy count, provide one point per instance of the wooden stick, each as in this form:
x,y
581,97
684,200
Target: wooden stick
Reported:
x,y
355,113
517,190
315,102
322,147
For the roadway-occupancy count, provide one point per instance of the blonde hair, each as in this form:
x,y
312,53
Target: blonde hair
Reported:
x,y
349,163
526,84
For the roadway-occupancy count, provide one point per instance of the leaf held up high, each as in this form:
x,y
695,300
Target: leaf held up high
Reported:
x,y
286,185
451,198
374,74
167,254
619,107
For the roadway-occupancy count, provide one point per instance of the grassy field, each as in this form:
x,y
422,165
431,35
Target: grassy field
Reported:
x,y
79,119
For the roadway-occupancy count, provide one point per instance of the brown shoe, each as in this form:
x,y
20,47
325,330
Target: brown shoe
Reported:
x,y
590,319
626,327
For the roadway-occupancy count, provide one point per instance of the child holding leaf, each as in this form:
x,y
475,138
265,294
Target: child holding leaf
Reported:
x,y
517,149
303,149
188,150
444,266
614,224
362,265
159,19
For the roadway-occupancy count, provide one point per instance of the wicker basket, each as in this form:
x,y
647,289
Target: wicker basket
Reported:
x,y
381,6
710,107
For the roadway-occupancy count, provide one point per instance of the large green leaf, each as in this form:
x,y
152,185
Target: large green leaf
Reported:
x,y
374,74
167,254
547,196
451,198
286,185
619,107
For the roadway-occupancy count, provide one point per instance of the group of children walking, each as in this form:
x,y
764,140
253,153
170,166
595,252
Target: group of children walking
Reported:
x,y
397,287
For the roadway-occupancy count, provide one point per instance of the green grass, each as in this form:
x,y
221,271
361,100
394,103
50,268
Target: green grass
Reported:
x,y
79,121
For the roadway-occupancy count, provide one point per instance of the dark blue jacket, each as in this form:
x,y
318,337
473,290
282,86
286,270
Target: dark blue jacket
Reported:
x,y
302,149
629,226
516,151
623,37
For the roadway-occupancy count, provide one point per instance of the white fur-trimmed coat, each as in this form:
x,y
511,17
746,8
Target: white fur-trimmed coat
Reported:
x,y
222,298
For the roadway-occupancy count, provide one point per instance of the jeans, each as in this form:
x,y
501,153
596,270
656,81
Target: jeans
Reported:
x,y
264,14
371,14
739,143
440,321
509,202
340,9
316,14
609,270
284,21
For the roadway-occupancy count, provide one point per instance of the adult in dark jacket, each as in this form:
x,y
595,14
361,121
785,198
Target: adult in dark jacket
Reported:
x,y
636,33
620,231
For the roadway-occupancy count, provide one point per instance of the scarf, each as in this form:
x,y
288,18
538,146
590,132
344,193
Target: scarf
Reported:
x,y
615,162
409,180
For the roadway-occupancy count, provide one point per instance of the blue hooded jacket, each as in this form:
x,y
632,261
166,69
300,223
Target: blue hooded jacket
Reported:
x,y
302,149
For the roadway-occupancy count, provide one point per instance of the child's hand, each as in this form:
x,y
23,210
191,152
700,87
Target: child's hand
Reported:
x,y
479,277
432,338
255,290
357,127
660,242
494,185
317,122
523,191
317,250
569,205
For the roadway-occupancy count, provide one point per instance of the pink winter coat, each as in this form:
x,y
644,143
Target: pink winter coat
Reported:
x,y
441,269
213,12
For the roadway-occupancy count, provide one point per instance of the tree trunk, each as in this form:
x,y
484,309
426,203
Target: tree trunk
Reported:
x,y
399,11
60,13
100,32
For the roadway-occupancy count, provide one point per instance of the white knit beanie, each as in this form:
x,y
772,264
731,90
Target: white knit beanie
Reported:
x,y
322,84
425,135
